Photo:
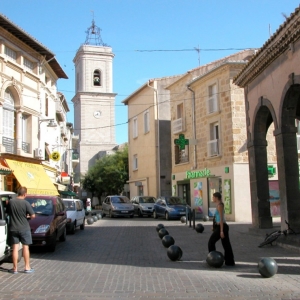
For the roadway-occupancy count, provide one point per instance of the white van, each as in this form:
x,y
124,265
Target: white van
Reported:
x,y
75,214
5,249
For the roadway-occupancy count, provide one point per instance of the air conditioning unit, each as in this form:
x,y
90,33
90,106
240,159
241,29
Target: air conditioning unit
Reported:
x,y
38,153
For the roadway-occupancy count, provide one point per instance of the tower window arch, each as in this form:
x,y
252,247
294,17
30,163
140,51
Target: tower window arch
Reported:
x,y
97,78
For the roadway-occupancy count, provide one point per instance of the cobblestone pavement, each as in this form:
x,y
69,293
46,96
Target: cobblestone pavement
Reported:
x,y
125,259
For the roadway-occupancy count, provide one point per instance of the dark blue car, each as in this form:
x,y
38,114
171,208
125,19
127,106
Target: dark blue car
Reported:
x,y
172,207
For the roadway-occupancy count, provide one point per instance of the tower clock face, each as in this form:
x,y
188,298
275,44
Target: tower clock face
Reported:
x,y
97,114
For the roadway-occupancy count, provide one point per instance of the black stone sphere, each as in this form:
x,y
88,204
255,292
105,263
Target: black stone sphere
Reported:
x,y
267,267
167,241
99,216
215,259
95,218
183,219
90,220
199,228
205,218
159,227
162,232
174,252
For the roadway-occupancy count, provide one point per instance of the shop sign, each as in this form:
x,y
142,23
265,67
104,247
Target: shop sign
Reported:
x,y
198,174
227,196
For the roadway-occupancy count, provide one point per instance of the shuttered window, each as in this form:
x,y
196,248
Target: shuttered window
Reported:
x,y
8,115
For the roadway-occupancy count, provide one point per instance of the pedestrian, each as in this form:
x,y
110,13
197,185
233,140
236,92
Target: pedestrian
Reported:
x,y
19,211
221,231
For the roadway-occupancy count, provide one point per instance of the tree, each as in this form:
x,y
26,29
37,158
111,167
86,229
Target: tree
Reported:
x,y
108,175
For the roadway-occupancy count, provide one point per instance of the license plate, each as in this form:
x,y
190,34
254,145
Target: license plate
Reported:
x,y
182,213
124,211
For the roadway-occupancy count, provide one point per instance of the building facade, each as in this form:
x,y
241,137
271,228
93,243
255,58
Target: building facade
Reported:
x,y
149,129
30,111
94,102
271,82
209,151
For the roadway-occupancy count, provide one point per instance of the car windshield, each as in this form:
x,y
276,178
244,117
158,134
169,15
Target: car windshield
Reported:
x,y
70,205
175,200
119,200
147,199
41,206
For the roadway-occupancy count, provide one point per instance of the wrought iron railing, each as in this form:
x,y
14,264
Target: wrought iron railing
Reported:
x,y
26,147
10,145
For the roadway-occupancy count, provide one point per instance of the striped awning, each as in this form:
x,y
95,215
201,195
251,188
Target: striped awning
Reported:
x,y
4,170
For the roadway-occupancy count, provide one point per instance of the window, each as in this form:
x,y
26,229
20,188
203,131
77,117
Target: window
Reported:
x,y
146,122
212,102
46,106
10,54
135,128
178,125
180,111
28,64
181,156
135,162
97,78
8,115
213,146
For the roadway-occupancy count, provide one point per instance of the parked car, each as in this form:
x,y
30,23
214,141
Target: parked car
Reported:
x,y
143,205
5,245
117,206
75,214
50,221
172,207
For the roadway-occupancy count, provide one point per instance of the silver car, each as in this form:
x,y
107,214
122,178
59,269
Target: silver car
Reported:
x,y
143,205
117,206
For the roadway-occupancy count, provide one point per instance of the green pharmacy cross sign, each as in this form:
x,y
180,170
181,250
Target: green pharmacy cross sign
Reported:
x,y
181,142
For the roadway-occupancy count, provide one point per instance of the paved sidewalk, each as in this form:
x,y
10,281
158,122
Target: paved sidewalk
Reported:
x,y
125,259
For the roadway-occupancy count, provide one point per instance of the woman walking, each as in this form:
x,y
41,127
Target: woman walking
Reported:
x,y
221,231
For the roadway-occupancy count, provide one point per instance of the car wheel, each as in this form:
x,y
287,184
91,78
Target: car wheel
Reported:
x,y
154,215
62,238
131,216
167,216
140,214
52,246
82,225
103,214
110,214
72,229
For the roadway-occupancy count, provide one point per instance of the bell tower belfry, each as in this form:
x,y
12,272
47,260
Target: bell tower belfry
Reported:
x,y
94,101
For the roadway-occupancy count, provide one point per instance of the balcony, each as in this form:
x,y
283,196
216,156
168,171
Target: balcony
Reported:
x,y
26,147
10,145
75,159
178,125
213,148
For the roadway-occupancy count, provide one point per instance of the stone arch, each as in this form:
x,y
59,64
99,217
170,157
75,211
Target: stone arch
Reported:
x,y
264,116
287,153
14,89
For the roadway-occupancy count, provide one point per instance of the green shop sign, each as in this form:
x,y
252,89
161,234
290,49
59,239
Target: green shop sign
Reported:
x,y
198,174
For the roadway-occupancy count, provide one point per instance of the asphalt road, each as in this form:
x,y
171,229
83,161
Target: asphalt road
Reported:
x,y
124,259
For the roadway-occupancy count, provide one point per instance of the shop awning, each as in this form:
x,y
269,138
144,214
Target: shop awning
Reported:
x,y
4,170
33,177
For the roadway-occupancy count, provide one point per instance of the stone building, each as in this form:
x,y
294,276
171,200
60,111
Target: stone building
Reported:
x,y
31,111
149,129
271,82
94,101
208,138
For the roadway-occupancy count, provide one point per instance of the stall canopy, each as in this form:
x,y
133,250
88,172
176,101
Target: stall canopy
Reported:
x,y
4,170
33,177
68,193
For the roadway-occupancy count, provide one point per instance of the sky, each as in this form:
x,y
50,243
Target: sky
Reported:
x,y
150,39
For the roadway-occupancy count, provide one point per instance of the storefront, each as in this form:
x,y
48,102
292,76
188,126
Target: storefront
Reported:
x,y
3,172
232,181
32,176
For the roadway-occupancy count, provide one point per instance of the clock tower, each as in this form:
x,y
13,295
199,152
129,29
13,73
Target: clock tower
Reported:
x,y
94,101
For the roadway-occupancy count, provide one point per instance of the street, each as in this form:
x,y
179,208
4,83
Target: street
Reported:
x,y
124,258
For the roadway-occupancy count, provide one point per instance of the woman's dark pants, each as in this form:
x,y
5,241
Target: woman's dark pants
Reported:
x,y
215,236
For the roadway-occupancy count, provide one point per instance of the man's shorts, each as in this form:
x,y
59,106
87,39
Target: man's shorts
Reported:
x,y
21,236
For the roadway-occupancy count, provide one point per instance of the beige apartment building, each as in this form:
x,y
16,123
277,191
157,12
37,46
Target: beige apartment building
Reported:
x,y
209,138
34,137
149,130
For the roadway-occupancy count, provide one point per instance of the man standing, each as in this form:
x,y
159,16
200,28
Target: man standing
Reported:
x,y
19,211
